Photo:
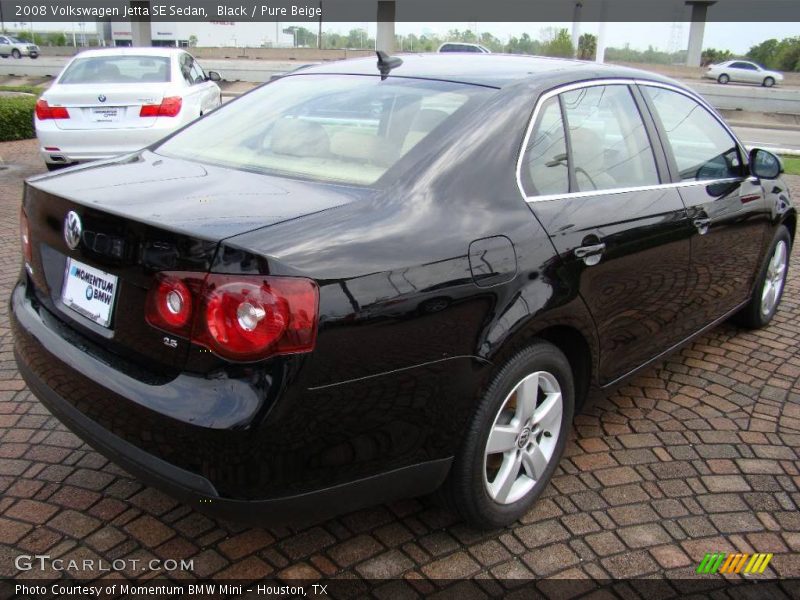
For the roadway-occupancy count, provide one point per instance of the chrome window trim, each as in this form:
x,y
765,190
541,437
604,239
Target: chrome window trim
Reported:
x,y
623,190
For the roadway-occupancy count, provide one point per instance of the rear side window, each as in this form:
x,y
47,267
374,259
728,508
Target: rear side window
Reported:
x,y
609,143
117,69
544,169
341,128
700,145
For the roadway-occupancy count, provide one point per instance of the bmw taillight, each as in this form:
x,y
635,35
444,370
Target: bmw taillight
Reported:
x,y
242,318
44,111
25,237
169,107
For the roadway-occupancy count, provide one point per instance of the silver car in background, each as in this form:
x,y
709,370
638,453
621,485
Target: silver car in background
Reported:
x,y
744,72
16,48
117,100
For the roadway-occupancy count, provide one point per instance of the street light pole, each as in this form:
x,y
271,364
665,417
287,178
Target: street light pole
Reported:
x,y
319,35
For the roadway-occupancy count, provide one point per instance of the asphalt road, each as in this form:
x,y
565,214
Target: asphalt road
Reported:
x,y
769,138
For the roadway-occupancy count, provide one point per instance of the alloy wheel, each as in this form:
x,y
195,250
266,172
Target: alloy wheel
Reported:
x,y
774,279
523,438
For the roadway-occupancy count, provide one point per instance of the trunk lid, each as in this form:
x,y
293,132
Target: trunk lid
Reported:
x,y
109,106
144,215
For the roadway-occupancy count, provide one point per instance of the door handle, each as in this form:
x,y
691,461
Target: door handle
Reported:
x,y
702,224
590,254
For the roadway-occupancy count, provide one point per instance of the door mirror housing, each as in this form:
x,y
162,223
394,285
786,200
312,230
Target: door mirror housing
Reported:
x,y
764,164
214,76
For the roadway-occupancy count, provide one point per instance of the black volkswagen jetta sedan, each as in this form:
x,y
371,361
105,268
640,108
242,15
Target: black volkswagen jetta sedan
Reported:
x,y
362,281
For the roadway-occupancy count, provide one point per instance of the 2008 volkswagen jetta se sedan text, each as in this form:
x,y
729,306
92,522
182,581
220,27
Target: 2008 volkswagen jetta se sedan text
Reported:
x,y
363,281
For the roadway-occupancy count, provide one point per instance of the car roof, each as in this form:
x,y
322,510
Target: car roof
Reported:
x,y
493,70
132,51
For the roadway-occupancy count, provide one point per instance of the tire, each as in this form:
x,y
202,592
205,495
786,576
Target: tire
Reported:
x,y
768,82
34,56
770,283
474,487
723,79
16,53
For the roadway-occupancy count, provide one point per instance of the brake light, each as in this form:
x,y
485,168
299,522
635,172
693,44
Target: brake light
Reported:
x,y
44,111
25,237
243,318
169,107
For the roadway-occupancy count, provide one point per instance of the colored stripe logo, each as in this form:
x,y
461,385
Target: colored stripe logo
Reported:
x,y
747,564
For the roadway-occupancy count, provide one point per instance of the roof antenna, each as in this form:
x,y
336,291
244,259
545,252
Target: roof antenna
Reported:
x,y
386,63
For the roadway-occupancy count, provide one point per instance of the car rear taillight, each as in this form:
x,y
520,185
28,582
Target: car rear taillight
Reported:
x,y
243,318
169,107
25,237
44,111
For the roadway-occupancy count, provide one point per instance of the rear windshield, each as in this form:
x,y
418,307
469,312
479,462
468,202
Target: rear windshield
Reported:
x,y
342,128
118,69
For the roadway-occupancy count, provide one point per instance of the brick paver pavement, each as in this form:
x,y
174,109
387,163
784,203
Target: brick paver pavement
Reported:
x,y
698,454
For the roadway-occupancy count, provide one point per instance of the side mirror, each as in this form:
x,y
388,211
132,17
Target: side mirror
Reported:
x,y
214,76
764,164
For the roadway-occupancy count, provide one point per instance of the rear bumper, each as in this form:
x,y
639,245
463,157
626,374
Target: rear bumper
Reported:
x,y
200,493
82,145
138,430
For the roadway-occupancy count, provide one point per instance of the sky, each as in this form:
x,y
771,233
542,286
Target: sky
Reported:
x,y
736,37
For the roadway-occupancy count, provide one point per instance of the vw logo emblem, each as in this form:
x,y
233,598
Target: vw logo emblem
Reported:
x,y
72,229
102,98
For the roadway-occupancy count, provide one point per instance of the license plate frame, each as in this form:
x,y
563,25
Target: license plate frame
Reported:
x,y
90,292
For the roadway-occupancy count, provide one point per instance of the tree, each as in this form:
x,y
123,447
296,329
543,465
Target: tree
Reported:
x,y
712,56
587,46
524,45
764,53
303,38
192,41
783,55
560,45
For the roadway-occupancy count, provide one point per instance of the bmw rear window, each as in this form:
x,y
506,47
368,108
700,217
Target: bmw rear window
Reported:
x,y
342,128
118,69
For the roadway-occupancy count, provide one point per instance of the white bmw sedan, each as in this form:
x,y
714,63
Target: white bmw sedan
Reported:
x,y
113,101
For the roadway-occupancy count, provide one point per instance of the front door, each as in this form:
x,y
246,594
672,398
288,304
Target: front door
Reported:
x,y
622,236
726,206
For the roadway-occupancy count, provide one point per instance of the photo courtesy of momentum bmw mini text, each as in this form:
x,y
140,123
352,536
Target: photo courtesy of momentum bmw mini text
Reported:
x,y
396,299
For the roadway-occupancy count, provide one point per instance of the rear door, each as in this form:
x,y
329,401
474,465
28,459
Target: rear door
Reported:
x,y
594,180
726,206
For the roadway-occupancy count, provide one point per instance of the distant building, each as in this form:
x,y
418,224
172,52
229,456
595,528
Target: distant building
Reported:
x,y
213,34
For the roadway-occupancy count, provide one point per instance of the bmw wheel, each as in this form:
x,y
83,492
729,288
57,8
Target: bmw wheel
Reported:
x,y
769,287
515,440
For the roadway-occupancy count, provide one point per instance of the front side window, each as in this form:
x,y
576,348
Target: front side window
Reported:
x,y
609,144
341,128
545,166
701,146
117,69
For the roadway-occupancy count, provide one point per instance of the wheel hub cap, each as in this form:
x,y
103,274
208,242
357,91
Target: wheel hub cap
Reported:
x,y
773,282
523,438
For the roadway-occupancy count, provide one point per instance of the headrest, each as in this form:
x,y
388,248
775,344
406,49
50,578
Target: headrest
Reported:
x,y
294,137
